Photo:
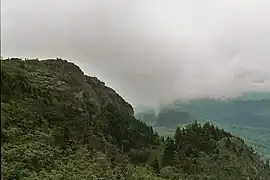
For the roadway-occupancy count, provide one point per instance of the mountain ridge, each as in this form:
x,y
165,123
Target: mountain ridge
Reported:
x,y
239,116
58,123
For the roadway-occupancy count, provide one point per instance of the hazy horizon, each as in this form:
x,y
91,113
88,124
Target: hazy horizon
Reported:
x,y
150,52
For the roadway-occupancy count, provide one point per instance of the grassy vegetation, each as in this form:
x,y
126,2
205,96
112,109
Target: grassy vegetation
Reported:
x,y
57,123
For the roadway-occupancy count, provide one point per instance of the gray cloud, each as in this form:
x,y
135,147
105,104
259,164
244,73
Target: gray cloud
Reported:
x,y
151,51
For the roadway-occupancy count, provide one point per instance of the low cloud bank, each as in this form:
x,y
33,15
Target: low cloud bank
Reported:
x,y
152,52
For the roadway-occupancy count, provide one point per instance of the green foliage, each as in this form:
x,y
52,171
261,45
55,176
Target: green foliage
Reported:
x,y
139,156
50,112
168,152
202,151
155,165
57,123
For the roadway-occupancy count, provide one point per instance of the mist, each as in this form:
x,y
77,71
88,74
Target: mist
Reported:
x,y
150,51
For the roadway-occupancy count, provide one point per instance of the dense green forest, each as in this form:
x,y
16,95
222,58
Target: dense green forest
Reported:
x,y
58,123
247,116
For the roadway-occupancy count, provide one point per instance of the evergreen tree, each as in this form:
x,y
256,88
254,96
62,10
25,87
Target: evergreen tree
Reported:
x,y
168,152
155,165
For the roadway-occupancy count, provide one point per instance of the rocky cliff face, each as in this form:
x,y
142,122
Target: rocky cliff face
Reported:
x,y
83,84
51,107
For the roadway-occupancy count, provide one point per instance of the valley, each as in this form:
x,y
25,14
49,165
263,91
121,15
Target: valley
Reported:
x,y
246,116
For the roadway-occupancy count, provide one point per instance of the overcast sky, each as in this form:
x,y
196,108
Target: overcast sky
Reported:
x,y
149,51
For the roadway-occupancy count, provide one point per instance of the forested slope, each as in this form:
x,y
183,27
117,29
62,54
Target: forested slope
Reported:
x,y
57,123
50,111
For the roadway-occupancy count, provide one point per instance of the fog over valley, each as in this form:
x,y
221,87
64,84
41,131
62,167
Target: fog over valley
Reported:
x,y
151,52
135,89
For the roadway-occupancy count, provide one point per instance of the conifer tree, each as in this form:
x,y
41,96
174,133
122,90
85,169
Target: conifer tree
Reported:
x,y
155,165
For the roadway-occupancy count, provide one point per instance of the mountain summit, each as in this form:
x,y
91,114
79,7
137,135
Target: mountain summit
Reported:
x,y
58,123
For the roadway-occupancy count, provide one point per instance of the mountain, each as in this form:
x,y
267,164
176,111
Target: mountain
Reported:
x,y
206,152
247,116
58,123
252,112
148,116
167,117
255,96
